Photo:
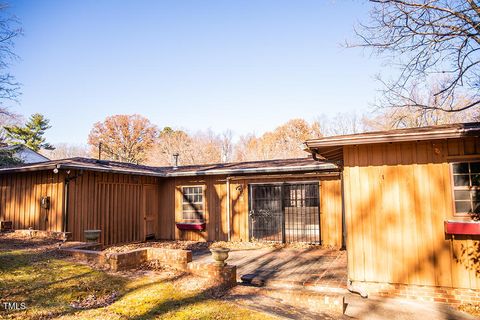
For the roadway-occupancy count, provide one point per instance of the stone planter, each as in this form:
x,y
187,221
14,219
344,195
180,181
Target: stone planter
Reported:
x,y
220,255
92,235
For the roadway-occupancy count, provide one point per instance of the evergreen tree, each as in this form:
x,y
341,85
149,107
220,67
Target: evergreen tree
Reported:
x,y
8,158
31,134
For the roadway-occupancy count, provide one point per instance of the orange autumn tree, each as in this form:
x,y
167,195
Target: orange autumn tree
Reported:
x,y
126,138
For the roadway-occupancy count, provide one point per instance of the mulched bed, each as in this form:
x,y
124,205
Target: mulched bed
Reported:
x,y
473,309
16,241
202,245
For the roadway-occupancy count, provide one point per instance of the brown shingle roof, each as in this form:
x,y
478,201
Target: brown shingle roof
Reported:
x,y
250,167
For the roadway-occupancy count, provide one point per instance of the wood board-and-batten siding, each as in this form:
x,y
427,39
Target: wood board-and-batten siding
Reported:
x,y
20,200
397,196
215,203
113,203
118,203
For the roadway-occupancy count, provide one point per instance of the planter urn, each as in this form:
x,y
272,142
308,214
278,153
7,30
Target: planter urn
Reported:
x,y
92,235
220,255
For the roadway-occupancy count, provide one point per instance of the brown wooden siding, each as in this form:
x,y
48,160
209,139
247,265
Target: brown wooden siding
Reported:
x,y
20,196
397,197
215,201
116,204
113,203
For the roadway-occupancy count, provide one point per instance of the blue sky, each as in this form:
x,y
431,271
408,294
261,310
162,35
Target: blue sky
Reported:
x,y
243,65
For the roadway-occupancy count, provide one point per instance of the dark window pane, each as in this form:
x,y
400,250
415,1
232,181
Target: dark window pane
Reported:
x,y
460,167
462,206
476,179
475,195
462,195
476,207
475,167
461,180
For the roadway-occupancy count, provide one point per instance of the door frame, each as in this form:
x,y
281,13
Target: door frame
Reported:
x,y
144,211
282,196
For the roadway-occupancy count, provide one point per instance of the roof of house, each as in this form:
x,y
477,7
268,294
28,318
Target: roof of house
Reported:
x,y
24,153
332,147
237,168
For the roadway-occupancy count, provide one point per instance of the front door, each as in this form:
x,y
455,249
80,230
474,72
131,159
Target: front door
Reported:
x,y
287,212
150,205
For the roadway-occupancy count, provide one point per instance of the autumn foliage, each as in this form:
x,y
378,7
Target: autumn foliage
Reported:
x,y
126,138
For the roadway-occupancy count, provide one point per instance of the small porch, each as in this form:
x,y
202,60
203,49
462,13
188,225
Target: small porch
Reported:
x,y
313,268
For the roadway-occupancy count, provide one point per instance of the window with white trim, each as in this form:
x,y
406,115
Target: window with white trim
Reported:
x,y
466,187
192,204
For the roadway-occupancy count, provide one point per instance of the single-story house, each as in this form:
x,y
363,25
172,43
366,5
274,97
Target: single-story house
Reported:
x,y
412,205
279,200
405,203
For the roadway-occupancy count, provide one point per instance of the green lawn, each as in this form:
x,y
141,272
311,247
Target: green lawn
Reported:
x,y
51,286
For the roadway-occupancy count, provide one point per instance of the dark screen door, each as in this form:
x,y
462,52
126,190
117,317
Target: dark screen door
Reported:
x,y
288,212
265,217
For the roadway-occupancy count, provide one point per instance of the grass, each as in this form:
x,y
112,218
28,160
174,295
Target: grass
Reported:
x,y
52,287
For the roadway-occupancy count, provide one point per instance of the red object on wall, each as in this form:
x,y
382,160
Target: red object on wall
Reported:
x,y
462,227
199,226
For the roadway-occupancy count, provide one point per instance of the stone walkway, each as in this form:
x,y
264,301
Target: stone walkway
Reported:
x,y
314,268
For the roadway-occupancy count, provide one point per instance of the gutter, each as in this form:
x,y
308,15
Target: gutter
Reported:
x,y
228,207
368,138
250,171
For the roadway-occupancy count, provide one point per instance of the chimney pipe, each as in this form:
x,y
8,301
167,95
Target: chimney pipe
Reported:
x,y
175,157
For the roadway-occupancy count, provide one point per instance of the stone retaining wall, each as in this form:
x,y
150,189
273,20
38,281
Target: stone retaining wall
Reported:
x,y
226,275
179,259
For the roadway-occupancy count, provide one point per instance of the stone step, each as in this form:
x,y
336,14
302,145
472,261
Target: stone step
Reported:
x,y
302,298
259,281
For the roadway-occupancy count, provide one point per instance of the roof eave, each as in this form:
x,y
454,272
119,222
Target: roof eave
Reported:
x,y
252,171
400,137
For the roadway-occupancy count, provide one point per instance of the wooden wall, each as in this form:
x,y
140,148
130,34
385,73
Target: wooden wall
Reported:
x,y
20,200
397,196
113,203
215,197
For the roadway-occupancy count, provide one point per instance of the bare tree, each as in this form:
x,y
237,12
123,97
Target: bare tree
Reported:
x,y
283,142
410,117
342,123
9,30
67,150
427,39
170,142
227,145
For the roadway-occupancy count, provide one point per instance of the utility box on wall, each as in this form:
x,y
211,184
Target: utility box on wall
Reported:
x,y
45,202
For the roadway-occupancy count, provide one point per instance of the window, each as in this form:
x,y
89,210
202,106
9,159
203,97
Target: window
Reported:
x,y
466,187
301,195
192,204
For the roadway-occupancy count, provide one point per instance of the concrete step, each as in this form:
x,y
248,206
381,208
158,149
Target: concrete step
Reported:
x,y
301,298
259,281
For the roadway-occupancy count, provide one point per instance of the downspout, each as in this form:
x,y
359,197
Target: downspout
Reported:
x,y
67,196
350,286
228,208
65,205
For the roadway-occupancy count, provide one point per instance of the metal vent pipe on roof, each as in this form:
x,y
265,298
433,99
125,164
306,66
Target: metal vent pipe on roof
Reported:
x,y
175,160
